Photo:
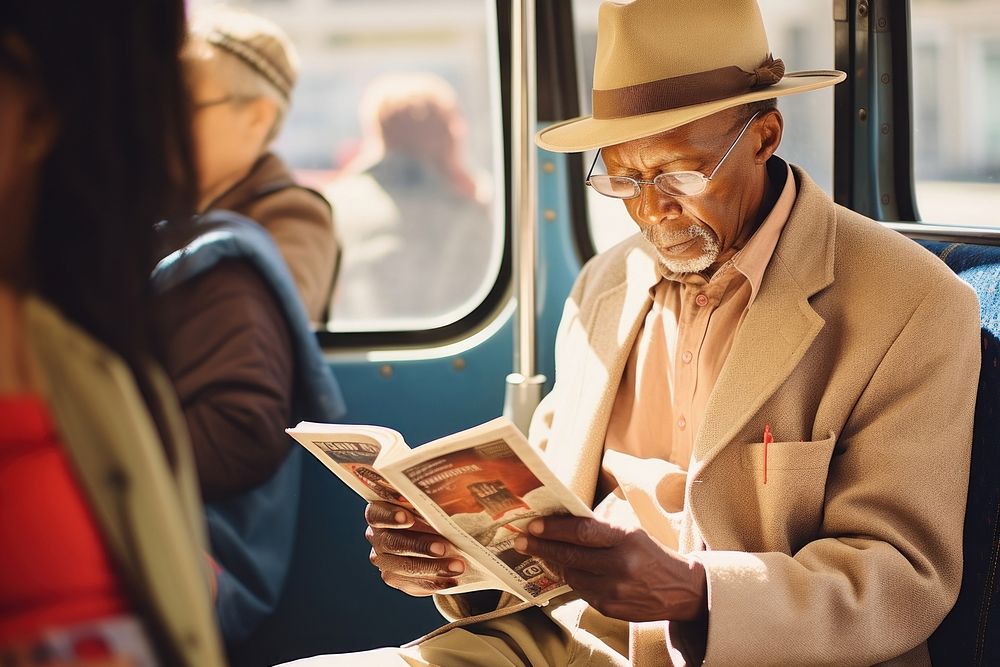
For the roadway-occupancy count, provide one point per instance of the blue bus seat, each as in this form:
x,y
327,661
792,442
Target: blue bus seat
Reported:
x,y
970,634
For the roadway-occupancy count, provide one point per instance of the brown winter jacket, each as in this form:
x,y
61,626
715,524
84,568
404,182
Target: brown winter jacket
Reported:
x,y
299,219
229,355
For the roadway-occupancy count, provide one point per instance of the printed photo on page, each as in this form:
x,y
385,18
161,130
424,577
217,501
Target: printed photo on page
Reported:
x,y
357,458
490,494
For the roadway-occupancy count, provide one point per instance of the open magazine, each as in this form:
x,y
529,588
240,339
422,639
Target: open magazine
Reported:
x,y
478,488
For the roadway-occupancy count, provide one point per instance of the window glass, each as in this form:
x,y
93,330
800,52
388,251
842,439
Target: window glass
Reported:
x,y
801,34
395,119
956,97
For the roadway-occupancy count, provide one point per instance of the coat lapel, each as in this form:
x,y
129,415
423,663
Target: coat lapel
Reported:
x,y
781,324
611,327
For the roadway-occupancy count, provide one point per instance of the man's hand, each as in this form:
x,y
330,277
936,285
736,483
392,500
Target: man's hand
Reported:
x,y
623,573
411,555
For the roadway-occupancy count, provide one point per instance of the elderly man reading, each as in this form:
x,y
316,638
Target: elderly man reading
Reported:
x,y
767,397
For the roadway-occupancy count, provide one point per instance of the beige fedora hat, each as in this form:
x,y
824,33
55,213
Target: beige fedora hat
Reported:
x,y
663,63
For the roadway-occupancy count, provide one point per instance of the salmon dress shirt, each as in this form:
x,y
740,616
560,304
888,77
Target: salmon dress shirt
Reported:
x,y
671,371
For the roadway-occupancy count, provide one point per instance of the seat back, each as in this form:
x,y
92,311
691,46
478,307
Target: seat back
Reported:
x,y
970,634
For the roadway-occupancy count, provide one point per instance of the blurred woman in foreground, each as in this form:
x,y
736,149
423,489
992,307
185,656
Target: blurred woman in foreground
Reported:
x,y
101,562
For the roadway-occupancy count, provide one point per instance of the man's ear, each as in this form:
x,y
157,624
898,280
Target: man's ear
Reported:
x,y
769,132
263,113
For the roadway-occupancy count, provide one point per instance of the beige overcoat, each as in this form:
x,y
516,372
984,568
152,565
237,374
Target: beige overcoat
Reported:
x,y
861,351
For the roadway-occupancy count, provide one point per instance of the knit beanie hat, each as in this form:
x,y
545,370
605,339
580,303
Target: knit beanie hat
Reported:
x,y
256,41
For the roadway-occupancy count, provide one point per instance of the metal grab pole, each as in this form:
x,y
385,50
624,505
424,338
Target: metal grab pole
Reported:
x,y
524,386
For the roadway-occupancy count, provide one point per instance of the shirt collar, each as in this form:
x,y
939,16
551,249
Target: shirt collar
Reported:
x,y
753,258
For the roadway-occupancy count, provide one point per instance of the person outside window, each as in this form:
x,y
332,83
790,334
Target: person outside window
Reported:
x,y
417,231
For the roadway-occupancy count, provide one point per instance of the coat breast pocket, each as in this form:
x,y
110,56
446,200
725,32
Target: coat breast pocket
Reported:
x,y
792,455
790,489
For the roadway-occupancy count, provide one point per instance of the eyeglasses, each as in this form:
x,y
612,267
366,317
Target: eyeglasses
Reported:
x,y
226,99
204,104
673,183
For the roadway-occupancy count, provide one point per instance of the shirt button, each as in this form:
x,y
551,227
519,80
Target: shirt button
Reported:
x,y
701,300
681,423
687,357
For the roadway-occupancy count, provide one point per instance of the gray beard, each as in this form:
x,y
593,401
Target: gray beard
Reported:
x,y
659,237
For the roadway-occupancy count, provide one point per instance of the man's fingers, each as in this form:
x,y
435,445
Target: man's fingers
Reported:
x,y
409,543
416,563
417,576
577,530
417,587
564,556
387,515
417,568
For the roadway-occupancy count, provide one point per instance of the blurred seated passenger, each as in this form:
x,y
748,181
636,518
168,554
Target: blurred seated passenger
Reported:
x,y
416,226
239,346
242,69
102,544
246,364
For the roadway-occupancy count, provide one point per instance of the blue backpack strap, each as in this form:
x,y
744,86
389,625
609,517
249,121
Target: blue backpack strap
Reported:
x,y
252,535
227,235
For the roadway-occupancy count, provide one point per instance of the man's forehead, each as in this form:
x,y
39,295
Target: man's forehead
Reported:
x,y
680,141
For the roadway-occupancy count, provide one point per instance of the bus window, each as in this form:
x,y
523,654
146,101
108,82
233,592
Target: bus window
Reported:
x,y
956,95
799,33
395,119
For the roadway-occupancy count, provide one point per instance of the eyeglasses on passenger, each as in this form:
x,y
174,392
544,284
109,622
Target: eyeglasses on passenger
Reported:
x,y
672,183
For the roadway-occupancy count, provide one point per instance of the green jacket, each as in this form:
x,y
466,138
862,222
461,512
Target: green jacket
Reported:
x,y
148,510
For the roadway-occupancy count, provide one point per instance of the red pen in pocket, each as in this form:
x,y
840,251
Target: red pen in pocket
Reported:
x,y
768,439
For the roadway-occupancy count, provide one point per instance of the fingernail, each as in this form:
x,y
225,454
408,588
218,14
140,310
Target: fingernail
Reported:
x,y
521,544
437,549
536,527
456,566
399,517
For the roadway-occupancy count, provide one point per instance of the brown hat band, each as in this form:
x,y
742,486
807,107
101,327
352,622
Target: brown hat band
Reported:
x,y
685,90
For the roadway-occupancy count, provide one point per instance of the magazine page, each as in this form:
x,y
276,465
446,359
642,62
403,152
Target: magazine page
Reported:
x,y
353,453
480,488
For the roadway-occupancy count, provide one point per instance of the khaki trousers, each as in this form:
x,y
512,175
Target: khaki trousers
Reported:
x,y
565,633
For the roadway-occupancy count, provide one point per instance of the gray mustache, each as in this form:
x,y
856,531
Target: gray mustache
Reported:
x,y
660,236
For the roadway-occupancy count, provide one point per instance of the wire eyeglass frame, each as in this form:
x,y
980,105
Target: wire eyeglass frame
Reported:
x,y
696,184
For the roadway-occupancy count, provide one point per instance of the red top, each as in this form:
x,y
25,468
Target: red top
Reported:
x,y
54,568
